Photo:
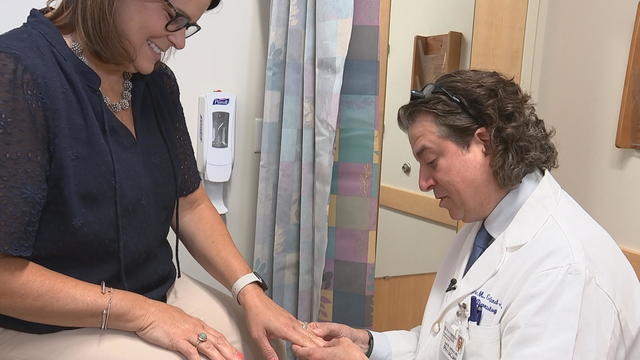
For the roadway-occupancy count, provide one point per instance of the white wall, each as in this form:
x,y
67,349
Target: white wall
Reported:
x,y
422,245
579,70
14,13
229,54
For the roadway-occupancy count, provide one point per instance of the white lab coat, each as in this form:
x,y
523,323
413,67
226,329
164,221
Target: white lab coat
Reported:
x,y
559,286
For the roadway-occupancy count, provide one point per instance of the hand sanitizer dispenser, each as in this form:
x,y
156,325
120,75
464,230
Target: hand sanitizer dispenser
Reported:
x,y
216,142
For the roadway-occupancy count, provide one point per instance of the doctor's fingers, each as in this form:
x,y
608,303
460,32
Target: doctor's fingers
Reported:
x,y
310,353
329,330
299,333
337,349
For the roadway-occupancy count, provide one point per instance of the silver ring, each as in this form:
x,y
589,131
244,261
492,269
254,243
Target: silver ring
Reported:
x,y
304,325
202,337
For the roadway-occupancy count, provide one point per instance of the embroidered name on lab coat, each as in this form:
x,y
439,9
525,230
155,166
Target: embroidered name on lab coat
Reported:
x,y
488,301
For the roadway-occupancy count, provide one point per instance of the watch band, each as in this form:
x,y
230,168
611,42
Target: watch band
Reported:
x,y
242,282
370,348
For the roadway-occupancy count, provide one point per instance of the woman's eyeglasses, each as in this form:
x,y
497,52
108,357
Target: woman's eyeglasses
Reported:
x,y
181,21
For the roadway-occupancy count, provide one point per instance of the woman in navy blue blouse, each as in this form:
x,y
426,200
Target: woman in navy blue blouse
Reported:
x,y
95,166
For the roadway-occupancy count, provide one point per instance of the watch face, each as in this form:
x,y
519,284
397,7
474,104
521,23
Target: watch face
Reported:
x,y
262,283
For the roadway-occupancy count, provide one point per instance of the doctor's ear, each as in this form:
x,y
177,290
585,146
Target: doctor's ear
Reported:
x,y
483,136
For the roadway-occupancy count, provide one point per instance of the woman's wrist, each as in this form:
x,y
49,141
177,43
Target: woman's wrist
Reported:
x,y
130,311
250,293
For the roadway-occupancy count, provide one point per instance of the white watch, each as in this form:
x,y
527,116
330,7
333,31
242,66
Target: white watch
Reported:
x,y
246,280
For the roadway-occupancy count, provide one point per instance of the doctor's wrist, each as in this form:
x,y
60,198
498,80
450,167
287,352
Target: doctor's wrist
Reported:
x,y
361,337
369,350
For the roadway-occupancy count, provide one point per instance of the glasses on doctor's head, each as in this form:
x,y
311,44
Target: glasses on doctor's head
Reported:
x,y
431,89
180,21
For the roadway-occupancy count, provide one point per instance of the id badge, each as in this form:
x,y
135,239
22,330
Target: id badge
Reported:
x,y
452,343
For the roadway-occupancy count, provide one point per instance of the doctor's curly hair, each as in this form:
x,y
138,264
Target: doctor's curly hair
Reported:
x,y
520,143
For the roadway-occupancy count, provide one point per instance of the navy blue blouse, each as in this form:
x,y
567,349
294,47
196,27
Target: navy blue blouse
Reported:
x,y
79,194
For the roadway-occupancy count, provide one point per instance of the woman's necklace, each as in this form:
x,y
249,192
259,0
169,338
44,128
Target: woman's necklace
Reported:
x,y
118,106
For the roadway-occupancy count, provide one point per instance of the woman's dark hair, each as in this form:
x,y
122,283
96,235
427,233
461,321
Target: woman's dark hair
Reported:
x,y
214,4
519,143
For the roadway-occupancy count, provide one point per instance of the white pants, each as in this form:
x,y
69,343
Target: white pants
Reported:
x,y
218,310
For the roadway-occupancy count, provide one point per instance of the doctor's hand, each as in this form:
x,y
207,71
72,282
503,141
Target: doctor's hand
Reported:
x,y
330,331
266,320
336,349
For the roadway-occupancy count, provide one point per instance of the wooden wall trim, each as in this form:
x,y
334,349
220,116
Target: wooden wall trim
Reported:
x,y
498,36
634,259
399,301
414,203
533,33
628,135
383,55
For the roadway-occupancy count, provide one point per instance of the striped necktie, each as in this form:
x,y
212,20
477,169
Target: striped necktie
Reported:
x,y
480,244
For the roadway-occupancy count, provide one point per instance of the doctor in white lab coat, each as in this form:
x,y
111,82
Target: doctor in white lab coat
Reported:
x,y
531,275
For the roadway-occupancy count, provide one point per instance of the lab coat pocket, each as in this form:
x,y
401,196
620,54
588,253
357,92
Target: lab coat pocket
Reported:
x,y
483,343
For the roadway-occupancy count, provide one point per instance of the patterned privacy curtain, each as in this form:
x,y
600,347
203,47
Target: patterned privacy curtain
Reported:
x,y
348,286
308,42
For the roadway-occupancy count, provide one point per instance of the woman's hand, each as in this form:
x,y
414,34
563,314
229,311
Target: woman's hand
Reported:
x,y
171,328
330,331
336,349
206,237
265,320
